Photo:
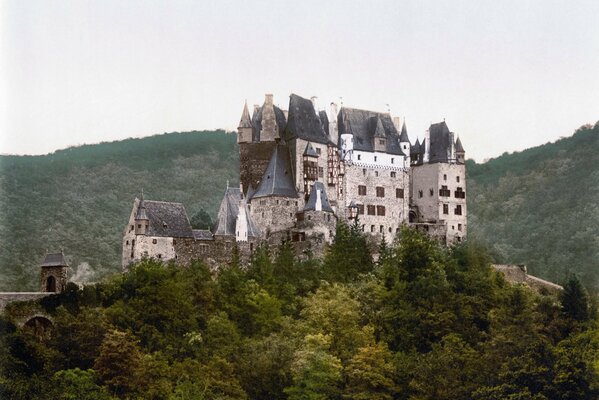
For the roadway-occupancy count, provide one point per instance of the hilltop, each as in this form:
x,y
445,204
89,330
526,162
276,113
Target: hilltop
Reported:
x,y
539,206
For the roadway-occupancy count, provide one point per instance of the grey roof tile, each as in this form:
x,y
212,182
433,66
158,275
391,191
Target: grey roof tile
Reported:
x,y
403,137
228,211
312,203
55,260
202,234
167,219
362,124
440,143
303,122
310,151
277,180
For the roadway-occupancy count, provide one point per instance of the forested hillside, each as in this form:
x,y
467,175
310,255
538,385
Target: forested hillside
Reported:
x,y
80,198
540,207
425,322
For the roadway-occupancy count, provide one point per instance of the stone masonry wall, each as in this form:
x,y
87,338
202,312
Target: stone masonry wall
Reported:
x,y
273,214
253,160
396,208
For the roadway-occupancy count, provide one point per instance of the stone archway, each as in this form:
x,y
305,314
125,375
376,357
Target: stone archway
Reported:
x,y
39,325
51,284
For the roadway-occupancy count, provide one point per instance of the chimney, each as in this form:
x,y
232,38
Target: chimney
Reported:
x,y
397,123
256,107
334,111
268,99
315,103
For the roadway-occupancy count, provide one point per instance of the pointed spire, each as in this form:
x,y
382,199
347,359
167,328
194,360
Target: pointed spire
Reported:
x,y
416,147
379,131
403,137
310,151
246,121
141,209
458,146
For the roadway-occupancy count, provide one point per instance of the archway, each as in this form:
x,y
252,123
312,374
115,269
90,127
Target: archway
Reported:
x,y
40,326
51,284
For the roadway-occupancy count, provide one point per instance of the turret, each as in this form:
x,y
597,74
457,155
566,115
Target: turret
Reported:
x,y
379,138
245,130
460,154
310,158
404,141
53,274
142,222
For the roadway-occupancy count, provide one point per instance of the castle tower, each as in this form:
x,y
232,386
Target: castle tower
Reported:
x,y
438,187
404,141
142,221
460,154
245,130
53,273
310,158
270,129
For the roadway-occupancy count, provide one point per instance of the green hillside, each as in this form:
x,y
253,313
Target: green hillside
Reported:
x,y
540,207
80,198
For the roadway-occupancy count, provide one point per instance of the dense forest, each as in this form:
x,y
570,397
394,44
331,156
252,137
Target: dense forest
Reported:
x,y
424,322
539,207
79,199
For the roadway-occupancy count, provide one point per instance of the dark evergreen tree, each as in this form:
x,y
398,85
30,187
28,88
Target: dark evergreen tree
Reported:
x,y
575,301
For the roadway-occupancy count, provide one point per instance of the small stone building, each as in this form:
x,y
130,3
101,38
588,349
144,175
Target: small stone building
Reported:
x,y
54,273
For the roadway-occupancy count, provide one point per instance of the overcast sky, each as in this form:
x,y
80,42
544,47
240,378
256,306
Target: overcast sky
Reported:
x,y
505,75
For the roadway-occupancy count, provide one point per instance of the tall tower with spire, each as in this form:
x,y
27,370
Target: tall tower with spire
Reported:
x,y
245,130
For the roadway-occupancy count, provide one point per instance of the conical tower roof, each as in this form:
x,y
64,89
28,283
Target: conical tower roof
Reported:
x,y
277,180
458,146
318,200
141,209
246,121
415,149
403,137
379,131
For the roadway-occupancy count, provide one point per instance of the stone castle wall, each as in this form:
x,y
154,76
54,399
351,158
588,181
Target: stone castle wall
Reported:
x,y
253,160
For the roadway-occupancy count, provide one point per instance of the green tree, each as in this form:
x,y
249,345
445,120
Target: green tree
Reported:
x,y
370,374
77,384
316,373
349,255
201,220
574,300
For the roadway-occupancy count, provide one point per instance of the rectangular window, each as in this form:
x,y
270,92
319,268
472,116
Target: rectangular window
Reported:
x,y
359,157
154,241
317,151
320,172
382,141
444,177
360,209
376,173
458,210
371,228
380,210
380,191
393,174
375,158
445,209
362,190
457,179
444,192
420,193
399,193
460,194
364,171
371,209
139,226
392,160
459,227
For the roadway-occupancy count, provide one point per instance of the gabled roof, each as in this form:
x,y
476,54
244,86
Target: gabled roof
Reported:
x,y
415,149
246,121
458,146
167,219
228,211
362,124
310,151
257,121
141,212
250,193
403,137
440,143
314,202
379,131
277,180
55,260
202,234
324,121
303,122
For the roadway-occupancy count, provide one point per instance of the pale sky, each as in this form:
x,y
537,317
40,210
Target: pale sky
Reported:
x,y
505,75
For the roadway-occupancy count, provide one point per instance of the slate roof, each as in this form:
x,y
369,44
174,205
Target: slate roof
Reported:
x,y
440,143
311,203
228,213
303,122
55,260
310,151
363,125
277,179
202,234
167,219
458,146
250,193
246,121
403,137
415,149
257,122
324,121
141,211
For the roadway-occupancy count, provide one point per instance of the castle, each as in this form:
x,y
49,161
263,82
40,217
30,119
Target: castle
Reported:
x,y
302,170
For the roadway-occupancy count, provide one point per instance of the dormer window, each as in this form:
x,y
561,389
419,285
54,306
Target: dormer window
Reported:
x,y
164,224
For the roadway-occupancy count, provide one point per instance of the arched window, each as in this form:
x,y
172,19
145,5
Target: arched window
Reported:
x,y
51,284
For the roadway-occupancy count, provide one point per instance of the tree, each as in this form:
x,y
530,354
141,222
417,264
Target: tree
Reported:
x,y
575,301
201,220
77,384
119,364
370,374
316,373
349,255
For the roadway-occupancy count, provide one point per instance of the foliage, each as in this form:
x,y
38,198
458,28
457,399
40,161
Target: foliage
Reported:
x,y
426,322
